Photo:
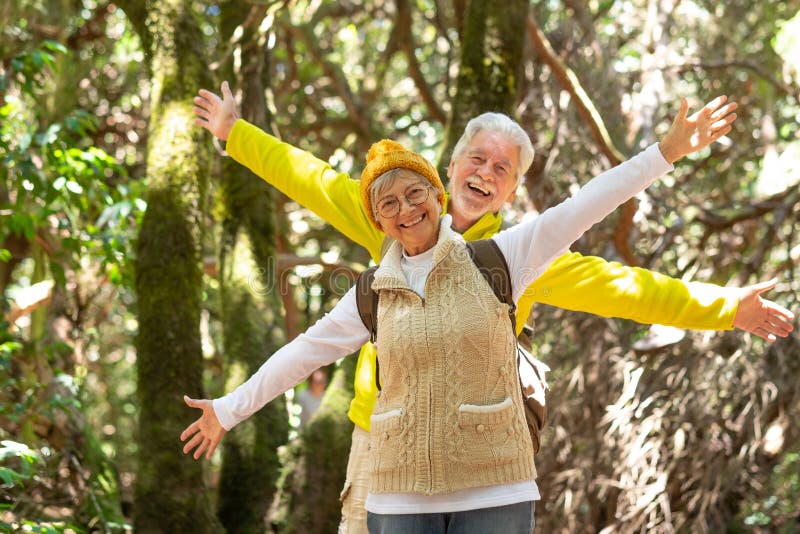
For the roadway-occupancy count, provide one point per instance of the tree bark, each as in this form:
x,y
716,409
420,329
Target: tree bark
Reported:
x,y
250,305
249,456
491,62
315,464
169,493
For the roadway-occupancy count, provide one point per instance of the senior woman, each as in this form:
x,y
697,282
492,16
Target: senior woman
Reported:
x,y
449,443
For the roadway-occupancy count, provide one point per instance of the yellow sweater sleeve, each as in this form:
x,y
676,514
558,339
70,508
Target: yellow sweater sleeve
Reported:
x,y
593,285
311,182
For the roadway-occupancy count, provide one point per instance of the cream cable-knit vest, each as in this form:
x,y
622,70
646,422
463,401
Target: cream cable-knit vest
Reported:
x,y
450,414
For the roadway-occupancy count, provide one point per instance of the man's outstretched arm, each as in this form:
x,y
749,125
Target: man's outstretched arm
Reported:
x,y
309,181
609,289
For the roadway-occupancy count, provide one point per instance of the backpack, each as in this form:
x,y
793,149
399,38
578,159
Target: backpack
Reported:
x,y
492,265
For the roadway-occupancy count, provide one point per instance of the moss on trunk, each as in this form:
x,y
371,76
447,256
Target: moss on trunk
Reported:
x,y
249,310
315,464
251,307
169,487
488,79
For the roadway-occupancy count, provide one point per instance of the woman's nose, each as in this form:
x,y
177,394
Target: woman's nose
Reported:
x,y
405,204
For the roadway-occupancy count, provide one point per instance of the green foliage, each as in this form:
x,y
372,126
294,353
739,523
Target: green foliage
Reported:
x,y
55,184
29,66
778,512
61,194
35,466
23,461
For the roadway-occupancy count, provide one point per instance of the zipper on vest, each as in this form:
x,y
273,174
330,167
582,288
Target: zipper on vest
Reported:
x,y
431,426
430,438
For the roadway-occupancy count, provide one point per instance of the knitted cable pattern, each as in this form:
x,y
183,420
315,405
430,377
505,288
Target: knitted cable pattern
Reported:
x,y
449,369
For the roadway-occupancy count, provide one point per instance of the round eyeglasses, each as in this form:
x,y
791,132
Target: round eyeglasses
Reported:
x,y
389,207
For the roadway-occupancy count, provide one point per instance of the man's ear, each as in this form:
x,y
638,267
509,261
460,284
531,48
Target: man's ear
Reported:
x,y
511,196
450,171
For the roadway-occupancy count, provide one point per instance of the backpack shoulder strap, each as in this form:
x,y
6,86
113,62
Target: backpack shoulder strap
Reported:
x,y
492,264
367,302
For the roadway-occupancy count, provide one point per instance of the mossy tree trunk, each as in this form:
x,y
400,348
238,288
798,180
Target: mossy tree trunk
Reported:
x,y
315,464
250,306
249,460
492,45
169,494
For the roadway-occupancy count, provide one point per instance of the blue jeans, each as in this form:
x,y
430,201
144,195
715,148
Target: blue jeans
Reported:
x,y
509,519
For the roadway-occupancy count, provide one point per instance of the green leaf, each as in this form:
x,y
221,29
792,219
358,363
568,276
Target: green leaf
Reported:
x,y
9,476
72,124
9,346
74,187
13,449
55,46
114,274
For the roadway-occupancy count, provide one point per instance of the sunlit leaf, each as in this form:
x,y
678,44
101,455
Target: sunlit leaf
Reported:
x,y
9,476
55,46
74,187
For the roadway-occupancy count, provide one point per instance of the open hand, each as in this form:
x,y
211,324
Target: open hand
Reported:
x,y
215,114
205,433
762,317
690,134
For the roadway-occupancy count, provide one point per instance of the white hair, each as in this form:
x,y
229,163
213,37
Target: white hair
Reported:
x,y
500,123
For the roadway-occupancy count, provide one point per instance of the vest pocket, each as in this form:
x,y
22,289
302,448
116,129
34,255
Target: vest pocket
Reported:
x,y
488,433
384,440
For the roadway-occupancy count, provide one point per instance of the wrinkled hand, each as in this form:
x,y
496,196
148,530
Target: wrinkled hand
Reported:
x,y
690,134
762,317
205,433
216,114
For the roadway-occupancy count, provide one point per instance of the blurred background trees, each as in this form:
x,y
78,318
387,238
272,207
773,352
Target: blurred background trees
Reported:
x,y
694,433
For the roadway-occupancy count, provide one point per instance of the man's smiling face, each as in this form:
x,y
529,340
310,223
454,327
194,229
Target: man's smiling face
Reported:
x,y
483,177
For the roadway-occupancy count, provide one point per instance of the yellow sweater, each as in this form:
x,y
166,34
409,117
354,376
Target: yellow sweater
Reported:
x,y
450,414
572,282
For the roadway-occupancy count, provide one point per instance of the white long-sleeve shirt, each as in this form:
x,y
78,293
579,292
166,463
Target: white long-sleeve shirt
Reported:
x,y
528,248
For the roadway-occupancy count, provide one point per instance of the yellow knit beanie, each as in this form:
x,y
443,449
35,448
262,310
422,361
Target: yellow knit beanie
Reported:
x,y
386,155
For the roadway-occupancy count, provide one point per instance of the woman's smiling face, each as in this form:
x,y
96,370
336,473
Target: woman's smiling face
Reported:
x,y
415,226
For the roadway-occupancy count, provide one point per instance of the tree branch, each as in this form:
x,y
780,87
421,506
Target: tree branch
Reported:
x,y
92,29
403,23
591,117
720,219
136,11
753,264
30,299
570,83
760,72
340,84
